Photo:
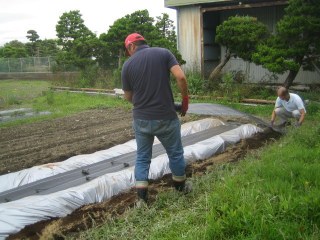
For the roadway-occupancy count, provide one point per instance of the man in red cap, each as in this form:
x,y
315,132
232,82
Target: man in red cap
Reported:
x,y
146,83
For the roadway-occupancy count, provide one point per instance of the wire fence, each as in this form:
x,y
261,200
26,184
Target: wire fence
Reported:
x,y
30,64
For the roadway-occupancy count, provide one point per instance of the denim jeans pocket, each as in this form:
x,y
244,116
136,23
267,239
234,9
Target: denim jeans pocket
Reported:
x,y
141,125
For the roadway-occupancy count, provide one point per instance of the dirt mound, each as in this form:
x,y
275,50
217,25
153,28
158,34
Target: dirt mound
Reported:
x,y
95,214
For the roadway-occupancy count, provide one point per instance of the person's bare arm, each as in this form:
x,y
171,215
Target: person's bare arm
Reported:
x,y
128,95
181,80
273,116
303,114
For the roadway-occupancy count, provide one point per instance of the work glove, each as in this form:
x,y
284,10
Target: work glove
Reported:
x,y
184,105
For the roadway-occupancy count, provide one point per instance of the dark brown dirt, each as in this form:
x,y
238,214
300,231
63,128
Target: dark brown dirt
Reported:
x,y
59,139
95,214
56,140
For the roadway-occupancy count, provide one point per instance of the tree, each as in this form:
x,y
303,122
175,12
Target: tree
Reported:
x,y
113,40
165,36
79,44
160,34
240,36
296,43
14,49
48,47
32,36
33,45
166,28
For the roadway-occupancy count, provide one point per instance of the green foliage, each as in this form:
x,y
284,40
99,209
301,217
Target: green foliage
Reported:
x,y
32,35
89,76
272,195
13,49
241,35
17,92
195,83
296,42
50,97
158,34
78,43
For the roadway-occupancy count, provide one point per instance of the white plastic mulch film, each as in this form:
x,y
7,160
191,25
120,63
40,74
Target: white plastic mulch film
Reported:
x,y
17,214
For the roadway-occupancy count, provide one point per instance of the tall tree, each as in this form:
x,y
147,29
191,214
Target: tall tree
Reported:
x,y
33,45
296,43
240,36
32,36
14,49
78,42
139,21
166,28
160,34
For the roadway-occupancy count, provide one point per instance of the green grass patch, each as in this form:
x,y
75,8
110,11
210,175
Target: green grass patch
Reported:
x,y
20,93
272,194
62,104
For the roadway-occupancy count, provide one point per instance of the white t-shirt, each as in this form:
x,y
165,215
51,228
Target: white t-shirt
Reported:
x,y
295,103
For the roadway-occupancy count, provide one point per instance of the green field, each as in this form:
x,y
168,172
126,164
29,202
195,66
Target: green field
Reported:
x,y
38,96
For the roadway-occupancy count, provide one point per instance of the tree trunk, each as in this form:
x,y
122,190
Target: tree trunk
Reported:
x,y
218,68
292,74
120,58
290,78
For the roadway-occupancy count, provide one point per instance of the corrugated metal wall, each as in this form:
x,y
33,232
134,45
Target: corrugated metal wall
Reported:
x,y
189,37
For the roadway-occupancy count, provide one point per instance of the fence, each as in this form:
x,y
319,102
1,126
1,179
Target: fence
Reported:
x,y
30,64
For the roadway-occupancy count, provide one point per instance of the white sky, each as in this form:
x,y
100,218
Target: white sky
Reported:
x,y
19,16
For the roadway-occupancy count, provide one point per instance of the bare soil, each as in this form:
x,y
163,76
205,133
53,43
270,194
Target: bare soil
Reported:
x,y
95,214
56,140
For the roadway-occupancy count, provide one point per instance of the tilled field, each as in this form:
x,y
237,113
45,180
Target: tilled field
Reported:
x,y
95,214
56,140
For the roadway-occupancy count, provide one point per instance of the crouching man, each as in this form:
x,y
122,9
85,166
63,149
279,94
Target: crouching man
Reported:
x,y
288,105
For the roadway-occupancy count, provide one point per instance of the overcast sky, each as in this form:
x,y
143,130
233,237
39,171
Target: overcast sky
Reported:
x,y
19,16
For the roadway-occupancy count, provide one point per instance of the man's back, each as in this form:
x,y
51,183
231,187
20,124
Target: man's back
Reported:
x,y
147,75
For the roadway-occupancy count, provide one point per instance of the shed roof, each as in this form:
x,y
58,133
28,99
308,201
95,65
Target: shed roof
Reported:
x,y
178,3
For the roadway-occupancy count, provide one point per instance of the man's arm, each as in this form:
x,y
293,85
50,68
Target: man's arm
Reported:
x,y
128,95
303,114
273,116
183,86
181,80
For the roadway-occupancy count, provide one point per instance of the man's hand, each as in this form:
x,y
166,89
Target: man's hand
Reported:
x,y
184,105
272,123
297,124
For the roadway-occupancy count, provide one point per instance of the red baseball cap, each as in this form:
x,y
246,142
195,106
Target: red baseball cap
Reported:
x,y
133,37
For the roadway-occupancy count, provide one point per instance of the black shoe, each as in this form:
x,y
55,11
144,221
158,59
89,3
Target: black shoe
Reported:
x,y
284,124
142,194
184,187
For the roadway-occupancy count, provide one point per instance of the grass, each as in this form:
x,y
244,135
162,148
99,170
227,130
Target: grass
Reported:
x,y
19,93
36,95
272,194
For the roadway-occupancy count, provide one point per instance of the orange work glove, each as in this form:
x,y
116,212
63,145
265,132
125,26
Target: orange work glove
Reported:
x,y
184,105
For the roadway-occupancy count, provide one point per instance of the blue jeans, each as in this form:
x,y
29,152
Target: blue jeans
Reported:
x,y
169,134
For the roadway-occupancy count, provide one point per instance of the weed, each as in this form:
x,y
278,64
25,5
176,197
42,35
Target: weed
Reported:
x,y
12,100
50,97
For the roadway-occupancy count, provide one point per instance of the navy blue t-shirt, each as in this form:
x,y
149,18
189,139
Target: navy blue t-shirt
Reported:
x,y
147,75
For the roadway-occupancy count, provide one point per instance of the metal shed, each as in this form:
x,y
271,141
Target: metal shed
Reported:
x,y
196,24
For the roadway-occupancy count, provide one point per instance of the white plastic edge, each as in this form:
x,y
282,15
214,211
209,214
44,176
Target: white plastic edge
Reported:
x,y
18,214
16,179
